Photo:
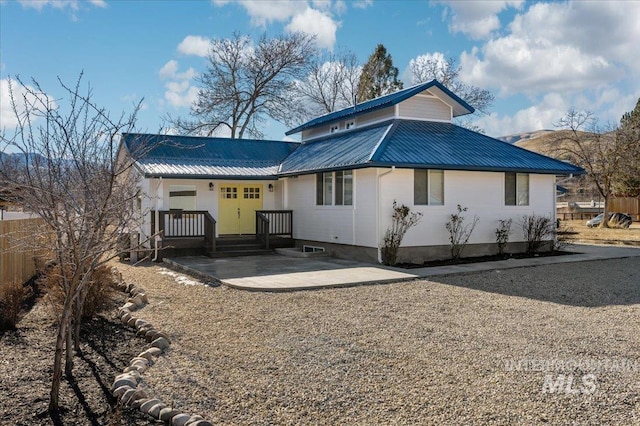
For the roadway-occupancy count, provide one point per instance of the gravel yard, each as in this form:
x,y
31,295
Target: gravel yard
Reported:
x,y
468,349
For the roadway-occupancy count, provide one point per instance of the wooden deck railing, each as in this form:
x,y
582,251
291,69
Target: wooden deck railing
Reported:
x,y
273,223
186,224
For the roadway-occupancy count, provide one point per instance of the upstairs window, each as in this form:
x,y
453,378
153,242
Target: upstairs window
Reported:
x,y
350,125
516,189
428,187
335,128
342,181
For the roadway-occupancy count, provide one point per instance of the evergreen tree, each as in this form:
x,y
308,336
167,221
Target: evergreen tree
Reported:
x,y
379,77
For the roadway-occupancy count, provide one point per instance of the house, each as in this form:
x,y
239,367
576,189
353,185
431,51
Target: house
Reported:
x,y
334,190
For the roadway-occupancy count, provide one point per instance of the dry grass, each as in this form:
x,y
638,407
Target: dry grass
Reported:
x,y
579,231
101,290
12,295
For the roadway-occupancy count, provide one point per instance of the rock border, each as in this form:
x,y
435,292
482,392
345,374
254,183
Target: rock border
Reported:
x,y
128,387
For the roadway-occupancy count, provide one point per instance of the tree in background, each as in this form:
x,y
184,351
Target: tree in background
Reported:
x,y
379,77
600,151
64,167
245,82
447,71
331,84
629,134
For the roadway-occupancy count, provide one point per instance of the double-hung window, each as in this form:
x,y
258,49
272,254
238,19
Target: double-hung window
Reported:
x,y
428,187
516,189
334,188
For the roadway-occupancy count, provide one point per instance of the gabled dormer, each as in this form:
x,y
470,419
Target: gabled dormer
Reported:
x,y
427,101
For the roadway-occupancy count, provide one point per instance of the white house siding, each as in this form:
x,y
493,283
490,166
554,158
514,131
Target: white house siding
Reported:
x,y
360,121
481,192
351,225
158,190
375,116
424,108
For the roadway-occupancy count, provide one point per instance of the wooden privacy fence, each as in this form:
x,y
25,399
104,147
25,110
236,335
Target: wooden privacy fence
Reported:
x,y
22,248
628,205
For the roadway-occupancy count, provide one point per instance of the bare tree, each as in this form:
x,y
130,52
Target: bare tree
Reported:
x,y
245,83
69,174
447,71
600,151
331,84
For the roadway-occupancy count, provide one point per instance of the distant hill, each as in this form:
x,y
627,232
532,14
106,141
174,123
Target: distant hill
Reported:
x,y
549,142
524,136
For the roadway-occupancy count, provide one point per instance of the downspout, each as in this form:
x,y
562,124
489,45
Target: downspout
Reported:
x,y
379,208
156,238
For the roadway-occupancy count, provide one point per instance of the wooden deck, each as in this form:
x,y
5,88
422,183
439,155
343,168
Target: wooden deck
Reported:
x,y
192,233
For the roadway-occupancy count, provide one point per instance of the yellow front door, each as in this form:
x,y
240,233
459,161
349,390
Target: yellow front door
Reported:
x,y
237,208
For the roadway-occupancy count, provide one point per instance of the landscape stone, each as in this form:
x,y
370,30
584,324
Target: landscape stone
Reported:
x,y
148,404
194,418
155,410
167,413
140,322
161,343
180,419
121,390
125,381
128,396
125,318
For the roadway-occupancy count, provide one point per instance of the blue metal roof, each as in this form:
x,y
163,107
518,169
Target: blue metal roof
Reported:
x,y
187,156
382,102
418,144
341,150
425,144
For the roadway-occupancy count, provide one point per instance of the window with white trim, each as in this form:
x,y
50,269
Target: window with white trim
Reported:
x,y
341,181
516,189
350,125
335,128
428,187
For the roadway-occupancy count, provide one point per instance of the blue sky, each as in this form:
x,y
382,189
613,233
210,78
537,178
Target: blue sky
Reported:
x,y
538,58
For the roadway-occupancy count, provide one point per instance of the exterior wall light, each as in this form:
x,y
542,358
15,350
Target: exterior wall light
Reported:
x,y
270,187
211,186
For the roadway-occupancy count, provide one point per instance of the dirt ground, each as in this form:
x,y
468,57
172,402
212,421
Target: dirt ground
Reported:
x,y
26,361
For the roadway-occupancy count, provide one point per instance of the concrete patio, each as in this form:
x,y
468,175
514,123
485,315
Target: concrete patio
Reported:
x,y
283,273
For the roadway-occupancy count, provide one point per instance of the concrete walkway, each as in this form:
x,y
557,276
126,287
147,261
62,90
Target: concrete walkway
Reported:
x,y
283,273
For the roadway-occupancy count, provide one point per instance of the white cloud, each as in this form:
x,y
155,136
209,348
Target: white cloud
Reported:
x,y
477,19
8,119
537,117
362,4
314,22
194,45
314,18
563,47
179,92
607,103
59,4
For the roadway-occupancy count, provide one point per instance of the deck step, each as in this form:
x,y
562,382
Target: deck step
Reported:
x,y
237,253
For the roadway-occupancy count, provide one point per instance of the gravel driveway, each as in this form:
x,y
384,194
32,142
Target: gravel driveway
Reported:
x,y
557,344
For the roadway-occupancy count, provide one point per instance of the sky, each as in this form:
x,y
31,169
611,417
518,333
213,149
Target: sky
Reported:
x,y
538,58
